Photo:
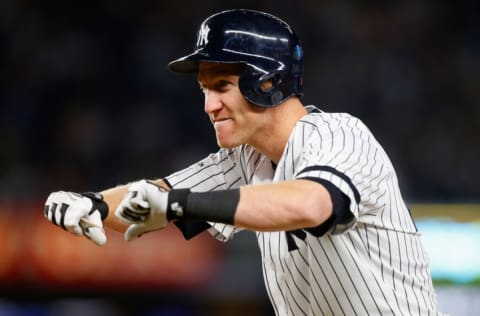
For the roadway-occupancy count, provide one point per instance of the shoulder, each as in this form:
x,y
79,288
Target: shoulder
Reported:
x,y
236,154
316,115
319,120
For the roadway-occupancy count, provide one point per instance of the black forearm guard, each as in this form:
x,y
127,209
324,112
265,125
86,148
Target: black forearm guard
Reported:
x,y
216,206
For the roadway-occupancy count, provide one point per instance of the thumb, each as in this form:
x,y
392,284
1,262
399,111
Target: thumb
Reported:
x,y
134,231
93,228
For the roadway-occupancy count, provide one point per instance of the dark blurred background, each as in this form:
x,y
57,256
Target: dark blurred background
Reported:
x,y
86,101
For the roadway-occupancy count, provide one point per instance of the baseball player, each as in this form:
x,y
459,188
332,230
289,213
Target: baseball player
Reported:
x,y
318,190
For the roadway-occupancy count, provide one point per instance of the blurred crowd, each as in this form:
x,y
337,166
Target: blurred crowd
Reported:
x,y
86,101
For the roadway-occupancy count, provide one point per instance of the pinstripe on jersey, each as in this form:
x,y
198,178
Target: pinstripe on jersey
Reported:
x,y
373,265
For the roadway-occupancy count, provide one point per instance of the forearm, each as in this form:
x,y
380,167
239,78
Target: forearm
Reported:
x,y
283,206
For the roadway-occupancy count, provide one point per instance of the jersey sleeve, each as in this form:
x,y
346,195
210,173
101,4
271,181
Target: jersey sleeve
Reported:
x,y
341,150
218,171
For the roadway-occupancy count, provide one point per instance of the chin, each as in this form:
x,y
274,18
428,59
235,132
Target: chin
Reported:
x,y
226,144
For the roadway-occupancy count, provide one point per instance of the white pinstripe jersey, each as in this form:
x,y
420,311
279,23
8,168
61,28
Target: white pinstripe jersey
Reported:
x,y
373,265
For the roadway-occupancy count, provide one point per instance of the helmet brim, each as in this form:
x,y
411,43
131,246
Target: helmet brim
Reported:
x,y
189,63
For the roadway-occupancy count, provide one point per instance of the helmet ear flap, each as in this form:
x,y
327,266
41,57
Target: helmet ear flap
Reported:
x,y
265,90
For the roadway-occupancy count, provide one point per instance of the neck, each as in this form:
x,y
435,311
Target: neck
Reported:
x,y
274,137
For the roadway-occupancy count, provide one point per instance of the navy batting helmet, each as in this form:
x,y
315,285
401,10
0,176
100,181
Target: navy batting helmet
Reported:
x,y
266,45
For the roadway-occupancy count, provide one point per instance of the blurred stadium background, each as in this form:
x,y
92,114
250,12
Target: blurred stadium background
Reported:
x,y
86,103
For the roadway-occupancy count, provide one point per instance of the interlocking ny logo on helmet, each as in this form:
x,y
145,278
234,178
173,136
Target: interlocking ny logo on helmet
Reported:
x,y
203,35
266,45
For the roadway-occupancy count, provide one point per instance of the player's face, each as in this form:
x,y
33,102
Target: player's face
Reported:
x,y
236,121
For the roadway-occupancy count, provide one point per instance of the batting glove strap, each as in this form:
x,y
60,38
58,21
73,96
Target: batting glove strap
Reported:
x,y
98,203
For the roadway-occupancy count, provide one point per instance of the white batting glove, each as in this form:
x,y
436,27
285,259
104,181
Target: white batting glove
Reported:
x,y
144,206
80,214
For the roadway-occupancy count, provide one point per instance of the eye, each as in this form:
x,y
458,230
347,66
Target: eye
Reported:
x,y
222,85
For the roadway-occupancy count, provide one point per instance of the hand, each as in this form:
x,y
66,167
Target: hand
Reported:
x,y
80,214
144,207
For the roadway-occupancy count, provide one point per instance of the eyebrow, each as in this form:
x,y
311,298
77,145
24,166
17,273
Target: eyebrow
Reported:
x,y
208,75
216,84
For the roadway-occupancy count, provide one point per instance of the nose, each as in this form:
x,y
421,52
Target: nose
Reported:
x,y
213,102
